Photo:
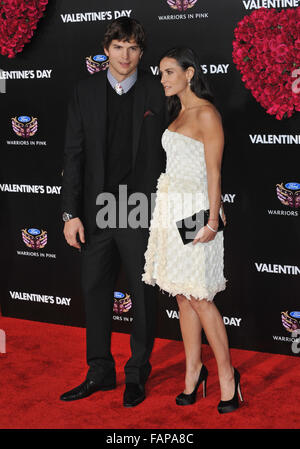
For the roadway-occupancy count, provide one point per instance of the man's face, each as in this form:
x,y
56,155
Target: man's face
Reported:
x,y
124,58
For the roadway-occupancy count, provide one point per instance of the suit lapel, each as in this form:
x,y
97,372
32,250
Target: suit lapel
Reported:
x,y
138,114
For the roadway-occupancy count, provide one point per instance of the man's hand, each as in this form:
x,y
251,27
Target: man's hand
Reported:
x,y
71,229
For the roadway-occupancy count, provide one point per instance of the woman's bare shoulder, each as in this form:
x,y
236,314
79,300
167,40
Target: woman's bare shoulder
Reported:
x,y
207,112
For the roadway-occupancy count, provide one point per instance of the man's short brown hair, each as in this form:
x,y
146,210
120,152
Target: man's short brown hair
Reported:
x,y
125,29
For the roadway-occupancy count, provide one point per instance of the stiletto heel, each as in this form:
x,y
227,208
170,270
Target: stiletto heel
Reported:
x,y
204,387
232,404
240,393
189,399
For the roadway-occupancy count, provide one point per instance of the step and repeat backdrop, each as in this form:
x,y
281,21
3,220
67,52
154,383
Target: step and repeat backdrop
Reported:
x,y
261,178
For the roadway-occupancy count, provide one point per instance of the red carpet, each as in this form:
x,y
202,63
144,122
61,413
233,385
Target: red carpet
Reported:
x,y
44,360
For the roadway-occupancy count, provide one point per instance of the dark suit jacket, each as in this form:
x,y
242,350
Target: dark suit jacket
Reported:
x,y
84,170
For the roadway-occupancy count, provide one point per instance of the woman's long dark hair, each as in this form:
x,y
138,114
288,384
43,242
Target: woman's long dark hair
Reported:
x,y
186,57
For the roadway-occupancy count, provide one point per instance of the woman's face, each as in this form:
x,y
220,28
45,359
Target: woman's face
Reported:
x,y
173,78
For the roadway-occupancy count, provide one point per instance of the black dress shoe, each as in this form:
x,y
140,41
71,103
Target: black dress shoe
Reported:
x,y
85,389
134,394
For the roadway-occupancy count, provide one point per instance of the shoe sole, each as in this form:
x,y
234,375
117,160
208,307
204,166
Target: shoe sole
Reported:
x,y
227,410
108,388
130,404
185,404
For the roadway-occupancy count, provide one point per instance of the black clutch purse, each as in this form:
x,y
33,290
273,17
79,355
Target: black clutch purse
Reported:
x,y
190,226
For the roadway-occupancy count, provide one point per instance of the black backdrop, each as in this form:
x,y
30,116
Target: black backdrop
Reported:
x,y
262,239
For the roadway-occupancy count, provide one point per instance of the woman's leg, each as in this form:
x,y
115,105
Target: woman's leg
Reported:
x,y
216,335
191,329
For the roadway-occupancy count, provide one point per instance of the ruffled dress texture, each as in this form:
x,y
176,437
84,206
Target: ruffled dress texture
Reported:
x,y
189,270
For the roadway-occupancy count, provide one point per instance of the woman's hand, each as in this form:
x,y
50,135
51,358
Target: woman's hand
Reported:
x,y
204,235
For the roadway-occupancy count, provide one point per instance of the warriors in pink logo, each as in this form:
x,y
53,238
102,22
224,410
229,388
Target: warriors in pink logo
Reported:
x,y
289,194
96,63
24,126
34,238
291,321
122,303
181,5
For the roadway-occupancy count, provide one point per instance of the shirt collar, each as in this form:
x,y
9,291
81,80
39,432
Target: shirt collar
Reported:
x,y
126,84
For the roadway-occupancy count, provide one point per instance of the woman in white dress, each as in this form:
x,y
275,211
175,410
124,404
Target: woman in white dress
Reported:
x,y
192,182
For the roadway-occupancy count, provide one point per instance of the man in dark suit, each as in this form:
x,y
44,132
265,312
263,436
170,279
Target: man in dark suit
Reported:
x,y
113,138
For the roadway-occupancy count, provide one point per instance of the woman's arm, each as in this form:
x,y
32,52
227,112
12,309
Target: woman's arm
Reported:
x,y
213,139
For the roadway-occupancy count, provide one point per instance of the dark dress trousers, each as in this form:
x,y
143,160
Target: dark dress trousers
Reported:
x,y
88,171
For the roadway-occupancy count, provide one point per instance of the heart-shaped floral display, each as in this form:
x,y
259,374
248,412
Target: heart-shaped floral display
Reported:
x,y
266,51
18,20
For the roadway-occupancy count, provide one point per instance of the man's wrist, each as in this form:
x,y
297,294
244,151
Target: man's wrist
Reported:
x,y
66,216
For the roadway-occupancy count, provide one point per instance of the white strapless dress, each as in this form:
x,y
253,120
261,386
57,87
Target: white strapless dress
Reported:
x,y
190,270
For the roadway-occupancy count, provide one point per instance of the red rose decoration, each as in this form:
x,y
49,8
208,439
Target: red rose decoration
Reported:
x,y
18,20
266,52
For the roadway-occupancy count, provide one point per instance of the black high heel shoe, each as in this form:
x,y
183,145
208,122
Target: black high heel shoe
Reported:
x,y
189,399
232,404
